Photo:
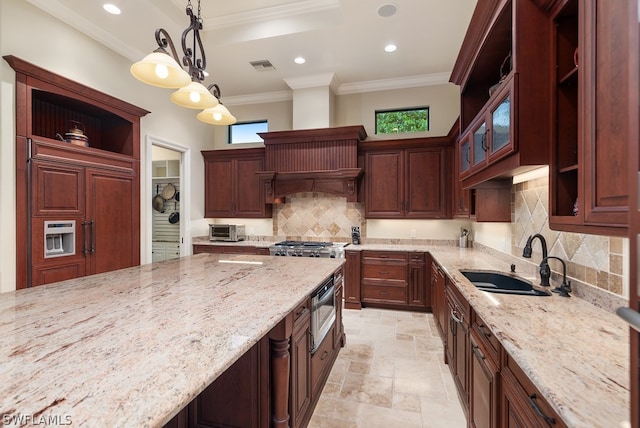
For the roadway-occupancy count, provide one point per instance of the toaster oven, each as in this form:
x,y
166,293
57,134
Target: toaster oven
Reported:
x,y
227,232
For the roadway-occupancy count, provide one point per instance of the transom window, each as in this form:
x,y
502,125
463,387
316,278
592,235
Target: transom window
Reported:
x,y
414,119
247,132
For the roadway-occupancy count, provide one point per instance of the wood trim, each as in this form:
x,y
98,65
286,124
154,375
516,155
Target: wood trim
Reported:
x,y
79,90
356,132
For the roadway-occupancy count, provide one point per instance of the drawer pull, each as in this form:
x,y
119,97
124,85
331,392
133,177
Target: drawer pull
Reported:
x,y
324,355
302,312
534,406
384,293
384,272
384,256
478,352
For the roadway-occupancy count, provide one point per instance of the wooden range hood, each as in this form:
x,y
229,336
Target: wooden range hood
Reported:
x,y
312,160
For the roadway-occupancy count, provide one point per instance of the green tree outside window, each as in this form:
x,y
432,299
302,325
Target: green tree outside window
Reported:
x,y
400,121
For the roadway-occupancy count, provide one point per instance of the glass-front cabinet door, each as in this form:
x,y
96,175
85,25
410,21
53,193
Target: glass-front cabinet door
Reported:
x,y
501,125
480,144
465,161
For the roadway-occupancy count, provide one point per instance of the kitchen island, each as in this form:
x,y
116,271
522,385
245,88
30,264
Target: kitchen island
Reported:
x,y
135,346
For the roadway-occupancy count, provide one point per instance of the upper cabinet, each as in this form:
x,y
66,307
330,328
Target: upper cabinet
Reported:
x,y
232,186
592,87
407,178
505,97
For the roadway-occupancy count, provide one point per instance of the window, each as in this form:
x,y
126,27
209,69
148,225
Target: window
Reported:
x,y
415,119
247,132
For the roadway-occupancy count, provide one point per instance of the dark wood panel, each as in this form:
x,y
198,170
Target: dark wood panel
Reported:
x,y
426,183
54,272
607,124
233,399
249,201
352,280
115,228
218,197
385,184
60,189
300,371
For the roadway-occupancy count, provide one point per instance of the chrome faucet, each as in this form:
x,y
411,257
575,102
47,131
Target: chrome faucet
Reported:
x,y
565,288
545,272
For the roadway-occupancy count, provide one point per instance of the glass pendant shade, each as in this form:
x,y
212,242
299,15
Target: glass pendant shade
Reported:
x,y
194,95
218,115
161,70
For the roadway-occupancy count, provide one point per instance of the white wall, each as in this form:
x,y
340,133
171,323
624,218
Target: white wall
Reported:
x,y
30,34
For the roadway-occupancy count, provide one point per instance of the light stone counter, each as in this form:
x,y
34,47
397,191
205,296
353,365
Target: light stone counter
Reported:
x,y
575,353
131,348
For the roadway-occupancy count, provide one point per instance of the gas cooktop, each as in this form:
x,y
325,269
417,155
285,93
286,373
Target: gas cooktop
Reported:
x,y
308,249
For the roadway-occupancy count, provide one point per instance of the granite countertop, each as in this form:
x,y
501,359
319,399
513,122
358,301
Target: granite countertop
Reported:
x,y
575,353
133,347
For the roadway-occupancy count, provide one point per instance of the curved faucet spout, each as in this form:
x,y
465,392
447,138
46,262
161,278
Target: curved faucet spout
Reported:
x,y
545,272
565,288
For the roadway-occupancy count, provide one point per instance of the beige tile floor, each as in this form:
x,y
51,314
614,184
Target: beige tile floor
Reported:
x,y
390,374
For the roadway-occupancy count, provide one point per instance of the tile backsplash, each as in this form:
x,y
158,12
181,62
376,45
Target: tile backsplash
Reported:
x,y
592,259
317,217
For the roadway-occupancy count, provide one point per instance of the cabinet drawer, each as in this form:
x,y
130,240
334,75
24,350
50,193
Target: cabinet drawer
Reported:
x,y
384,293
487,340
384,272
320,361
524,388
301,314
384,257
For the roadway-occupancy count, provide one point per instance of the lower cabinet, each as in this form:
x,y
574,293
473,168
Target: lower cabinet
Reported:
x,y
522,404
300,394
483,380
393,279
352,291
457,345
494,390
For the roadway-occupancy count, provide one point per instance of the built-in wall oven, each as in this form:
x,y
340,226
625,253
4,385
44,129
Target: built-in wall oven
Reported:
x,y
323,311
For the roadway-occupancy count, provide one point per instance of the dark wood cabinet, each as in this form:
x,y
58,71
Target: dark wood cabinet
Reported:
x,y
438,299
407,178
352,292
593,83
504,102
384,278
300,394
457,345
96,185
419,295
484,376
522,405
232,187
491,202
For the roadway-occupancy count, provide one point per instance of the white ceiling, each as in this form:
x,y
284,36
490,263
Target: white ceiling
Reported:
x,y
345,37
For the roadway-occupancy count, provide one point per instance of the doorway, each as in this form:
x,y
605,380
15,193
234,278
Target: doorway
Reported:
x,y
167,200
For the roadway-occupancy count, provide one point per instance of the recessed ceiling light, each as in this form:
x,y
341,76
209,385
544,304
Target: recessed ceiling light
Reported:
x,y
390,48
387,10
111,8
299,60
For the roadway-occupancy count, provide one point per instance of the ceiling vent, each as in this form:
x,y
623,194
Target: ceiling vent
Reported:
x,y
262,65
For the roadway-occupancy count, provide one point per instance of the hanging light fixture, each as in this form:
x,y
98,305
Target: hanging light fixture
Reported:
x,y
162,69
218,115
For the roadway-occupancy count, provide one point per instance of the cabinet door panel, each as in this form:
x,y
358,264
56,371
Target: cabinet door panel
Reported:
x,y
218,198
501,125
250,201
425,192
115,230
46,274
59,189
608,127
300,374
384,189
480,144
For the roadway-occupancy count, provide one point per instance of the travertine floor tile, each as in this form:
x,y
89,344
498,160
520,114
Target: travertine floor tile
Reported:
x,y
390,374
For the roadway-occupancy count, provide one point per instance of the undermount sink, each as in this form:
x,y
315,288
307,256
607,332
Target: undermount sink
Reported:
x,y
496,282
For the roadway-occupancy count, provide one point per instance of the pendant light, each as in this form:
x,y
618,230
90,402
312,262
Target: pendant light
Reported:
x,y
162,68
218,115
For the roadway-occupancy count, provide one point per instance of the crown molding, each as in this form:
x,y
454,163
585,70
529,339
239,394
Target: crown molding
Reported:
x,y
399,83
265,97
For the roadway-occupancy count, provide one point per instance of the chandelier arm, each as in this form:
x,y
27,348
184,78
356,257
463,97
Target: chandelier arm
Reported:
x,y
216,90
164,41
190,59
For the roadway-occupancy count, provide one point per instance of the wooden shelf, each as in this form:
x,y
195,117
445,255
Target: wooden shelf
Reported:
x,y
568,168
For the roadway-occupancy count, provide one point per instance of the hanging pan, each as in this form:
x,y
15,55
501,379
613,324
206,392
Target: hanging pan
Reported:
x,y
158,201
168,192
174,217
